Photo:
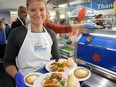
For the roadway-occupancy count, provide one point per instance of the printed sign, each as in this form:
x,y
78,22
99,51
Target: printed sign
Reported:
x,y
99,4
92,7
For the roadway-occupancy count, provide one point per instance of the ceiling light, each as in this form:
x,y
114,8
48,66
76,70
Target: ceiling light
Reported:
x,y
73,3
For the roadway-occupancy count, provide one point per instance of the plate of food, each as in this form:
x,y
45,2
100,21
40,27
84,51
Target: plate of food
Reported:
x,y
55,79
61,66
81,73
30,78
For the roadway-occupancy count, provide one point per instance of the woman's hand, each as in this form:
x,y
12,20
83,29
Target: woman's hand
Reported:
x,y
19,79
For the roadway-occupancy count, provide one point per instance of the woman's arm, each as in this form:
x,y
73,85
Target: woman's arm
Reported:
x,y
54,49
10,55
11,70
14,43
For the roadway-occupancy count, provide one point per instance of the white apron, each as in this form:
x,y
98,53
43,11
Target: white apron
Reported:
x,y
35,51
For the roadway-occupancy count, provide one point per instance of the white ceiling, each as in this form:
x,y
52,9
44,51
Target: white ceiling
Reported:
x,y
11,4
14,4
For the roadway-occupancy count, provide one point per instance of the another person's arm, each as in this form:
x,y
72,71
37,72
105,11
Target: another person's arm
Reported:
x,y
77,26
57,28
67,28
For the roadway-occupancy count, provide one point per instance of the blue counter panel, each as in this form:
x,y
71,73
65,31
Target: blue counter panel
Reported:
x,y
105,42
97,55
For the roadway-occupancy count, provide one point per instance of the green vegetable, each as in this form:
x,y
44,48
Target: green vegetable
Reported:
x,y
62,82
68,48
59,64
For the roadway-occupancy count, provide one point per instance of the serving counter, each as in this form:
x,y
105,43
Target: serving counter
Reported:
x,y
98,50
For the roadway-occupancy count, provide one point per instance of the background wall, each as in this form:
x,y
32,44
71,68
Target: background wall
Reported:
x,y
5,15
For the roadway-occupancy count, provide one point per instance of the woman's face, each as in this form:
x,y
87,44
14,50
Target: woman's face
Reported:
x,y
48,15
37,12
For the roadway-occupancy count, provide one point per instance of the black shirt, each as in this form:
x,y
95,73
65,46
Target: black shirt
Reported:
x,y
103,26
17,23
14,25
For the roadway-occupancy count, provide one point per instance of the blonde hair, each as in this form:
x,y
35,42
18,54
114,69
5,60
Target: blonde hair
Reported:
x,y
30,1
2,24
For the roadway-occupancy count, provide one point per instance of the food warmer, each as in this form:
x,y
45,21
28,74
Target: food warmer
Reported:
x,y
98,50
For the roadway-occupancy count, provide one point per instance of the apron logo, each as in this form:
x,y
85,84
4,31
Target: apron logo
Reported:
x,y
40,47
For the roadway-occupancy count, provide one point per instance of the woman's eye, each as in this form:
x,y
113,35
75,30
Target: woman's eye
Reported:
x,y
33,10
42,9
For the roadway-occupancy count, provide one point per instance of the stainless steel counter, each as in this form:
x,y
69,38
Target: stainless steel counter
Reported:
x,y
100,77
104,33
97,80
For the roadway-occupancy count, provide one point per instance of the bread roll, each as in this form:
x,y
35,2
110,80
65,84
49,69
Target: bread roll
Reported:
x,y
72,81
70,61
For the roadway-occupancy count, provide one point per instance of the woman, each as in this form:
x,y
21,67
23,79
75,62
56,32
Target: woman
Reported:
x,y
31,52
65,28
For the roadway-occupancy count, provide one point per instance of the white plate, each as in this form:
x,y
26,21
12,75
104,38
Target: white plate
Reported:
x,y
80,79
38,81
28,75
50,62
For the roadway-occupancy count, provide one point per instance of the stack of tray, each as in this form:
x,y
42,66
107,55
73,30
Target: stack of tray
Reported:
x,y
66,51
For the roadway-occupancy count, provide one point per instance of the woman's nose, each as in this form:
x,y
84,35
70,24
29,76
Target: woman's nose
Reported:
x,y
38,12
